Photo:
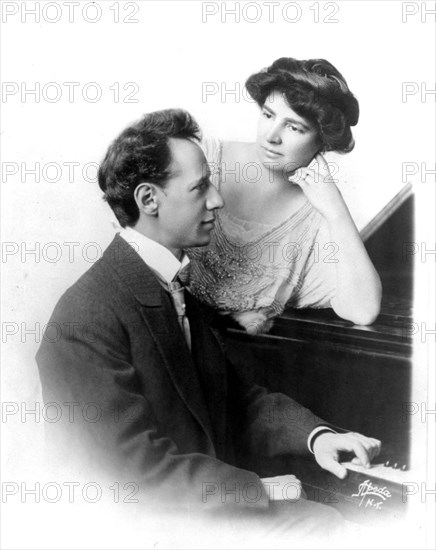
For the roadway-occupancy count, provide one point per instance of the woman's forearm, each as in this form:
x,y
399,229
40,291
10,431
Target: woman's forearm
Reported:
x,y
358,286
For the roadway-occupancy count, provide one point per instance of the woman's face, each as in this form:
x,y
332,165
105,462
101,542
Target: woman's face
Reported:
x,y
285,140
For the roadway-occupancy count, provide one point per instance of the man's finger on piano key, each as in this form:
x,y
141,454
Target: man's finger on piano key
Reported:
x,y
375,448
361,453
372,445
377,445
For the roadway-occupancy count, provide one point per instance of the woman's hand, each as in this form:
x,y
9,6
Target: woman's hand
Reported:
x,y
317,184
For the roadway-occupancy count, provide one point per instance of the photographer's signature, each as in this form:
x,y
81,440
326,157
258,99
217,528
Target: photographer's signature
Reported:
x,y
369,493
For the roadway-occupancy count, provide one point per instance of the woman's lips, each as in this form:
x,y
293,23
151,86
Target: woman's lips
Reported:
x,y
271,153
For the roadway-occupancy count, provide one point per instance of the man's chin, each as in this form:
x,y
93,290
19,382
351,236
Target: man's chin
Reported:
x,y
204,240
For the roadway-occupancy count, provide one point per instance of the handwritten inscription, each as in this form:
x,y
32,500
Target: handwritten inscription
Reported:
x,y
368,494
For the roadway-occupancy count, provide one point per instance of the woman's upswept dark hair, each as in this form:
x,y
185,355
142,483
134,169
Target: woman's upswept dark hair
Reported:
x,y
315,90
141,153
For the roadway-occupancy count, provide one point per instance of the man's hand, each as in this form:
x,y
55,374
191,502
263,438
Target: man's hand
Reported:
x,y
328,445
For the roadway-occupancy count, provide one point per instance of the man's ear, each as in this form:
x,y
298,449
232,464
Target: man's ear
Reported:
x,y
146,199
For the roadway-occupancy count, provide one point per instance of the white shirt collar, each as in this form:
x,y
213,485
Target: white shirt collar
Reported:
x,y
154,254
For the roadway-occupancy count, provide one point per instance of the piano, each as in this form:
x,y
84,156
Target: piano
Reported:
x,y
356,377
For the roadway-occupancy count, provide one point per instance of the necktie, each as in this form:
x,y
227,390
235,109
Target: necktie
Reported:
x,y
177,293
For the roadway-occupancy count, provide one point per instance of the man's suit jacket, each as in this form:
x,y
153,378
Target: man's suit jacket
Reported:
x,y
143,404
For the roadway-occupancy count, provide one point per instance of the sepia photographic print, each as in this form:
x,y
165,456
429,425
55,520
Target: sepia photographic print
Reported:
x,y
218,274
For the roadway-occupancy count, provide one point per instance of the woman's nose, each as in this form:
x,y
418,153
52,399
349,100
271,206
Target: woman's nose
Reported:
x,y
273,135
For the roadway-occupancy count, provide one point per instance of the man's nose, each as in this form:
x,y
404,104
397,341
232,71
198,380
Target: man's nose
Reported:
x,y
214,199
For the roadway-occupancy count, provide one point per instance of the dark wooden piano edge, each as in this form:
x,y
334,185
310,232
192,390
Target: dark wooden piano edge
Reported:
x,y
390,335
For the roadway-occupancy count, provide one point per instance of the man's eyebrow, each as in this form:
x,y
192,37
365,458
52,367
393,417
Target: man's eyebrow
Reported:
x,y
287,119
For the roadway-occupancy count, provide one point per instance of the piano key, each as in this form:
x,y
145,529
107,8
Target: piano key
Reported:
x,y
380,471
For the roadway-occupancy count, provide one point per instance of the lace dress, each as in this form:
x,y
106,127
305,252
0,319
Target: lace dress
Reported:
x,y
253,271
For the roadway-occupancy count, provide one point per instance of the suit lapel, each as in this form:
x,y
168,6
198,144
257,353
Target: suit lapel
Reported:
x,y
161,319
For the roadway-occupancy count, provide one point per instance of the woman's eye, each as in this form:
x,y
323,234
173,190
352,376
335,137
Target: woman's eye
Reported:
x,y
266,115
295,128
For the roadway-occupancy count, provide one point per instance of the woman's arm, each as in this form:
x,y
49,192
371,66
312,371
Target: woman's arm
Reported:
x,y
358,286
359,289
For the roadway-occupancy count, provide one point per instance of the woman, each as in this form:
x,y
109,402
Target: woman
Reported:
x,y
285,237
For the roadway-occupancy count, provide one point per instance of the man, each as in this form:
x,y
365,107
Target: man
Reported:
x,y
171,412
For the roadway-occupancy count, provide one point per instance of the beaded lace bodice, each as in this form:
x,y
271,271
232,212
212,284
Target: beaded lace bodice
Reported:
x,y
254,270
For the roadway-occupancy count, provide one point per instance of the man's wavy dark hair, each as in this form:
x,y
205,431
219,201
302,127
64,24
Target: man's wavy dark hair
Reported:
x,y
141,153
315,90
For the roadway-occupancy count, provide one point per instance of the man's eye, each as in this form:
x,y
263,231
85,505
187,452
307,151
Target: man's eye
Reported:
x,y
202,186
